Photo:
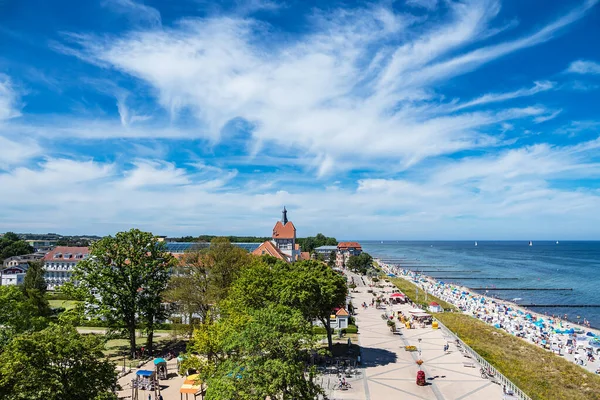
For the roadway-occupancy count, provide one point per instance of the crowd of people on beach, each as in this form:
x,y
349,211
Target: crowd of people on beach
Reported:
x,y
554,333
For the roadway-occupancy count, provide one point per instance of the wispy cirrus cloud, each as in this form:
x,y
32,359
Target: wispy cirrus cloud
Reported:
x,y
223,68
9,99
584,67
135,11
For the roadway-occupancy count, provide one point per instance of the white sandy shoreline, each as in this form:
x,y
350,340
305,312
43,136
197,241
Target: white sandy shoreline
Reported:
x,y
590,366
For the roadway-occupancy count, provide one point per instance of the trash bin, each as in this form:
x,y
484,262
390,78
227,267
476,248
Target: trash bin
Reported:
x,y
420,378
434,325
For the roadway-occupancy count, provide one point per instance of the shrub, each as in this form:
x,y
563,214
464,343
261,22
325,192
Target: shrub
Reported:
x,y
350,329
319,330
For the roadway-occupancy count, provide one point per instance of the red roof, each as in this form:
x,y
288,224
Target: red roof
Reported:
x,y
342,312
305,255
287,231
433,303
59,254
349,245
270,249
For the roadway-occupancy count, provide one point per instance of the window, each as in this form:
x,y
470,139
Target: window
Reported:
x,y
68,255
58,255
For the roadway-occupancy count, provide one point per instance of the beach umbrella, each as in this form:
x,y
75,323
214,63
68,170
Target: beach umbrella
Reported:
x,y
159,361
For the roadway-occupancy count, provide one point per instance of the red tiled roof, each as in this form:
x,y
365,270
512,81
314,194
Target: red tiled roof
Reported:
x,y
281,231
305,255
270,249
63,250
342,312
349,245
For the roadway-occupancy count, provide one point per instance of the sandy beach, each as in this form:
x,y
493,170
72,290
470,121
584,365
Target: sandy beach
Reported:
x,y
537,328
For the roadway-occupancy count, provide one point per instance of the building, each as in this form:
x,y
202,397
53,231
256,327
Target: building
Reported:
x,y
60,262
325,251
283,245
12,278
345,250
22,260
41,244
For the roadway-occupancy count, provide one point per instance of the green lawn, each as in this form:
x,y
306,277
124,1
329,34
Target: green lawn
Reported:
x,y
67,304
410,289
539,373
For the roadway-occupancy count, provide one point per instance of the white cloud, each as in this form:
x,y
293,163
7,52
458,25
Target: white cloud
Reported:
x,y
15,152
136,11
8,99
584,67
479,197
329,91
538,87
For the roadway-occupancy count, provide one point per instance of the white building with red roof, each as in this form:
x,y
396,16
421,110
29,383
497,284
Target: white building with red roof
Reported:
x,y
60,262
283,245
345,250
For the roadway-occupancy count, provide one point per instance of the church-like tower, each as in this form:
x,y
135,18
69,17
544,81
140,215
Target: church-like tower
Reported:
x,y
284,236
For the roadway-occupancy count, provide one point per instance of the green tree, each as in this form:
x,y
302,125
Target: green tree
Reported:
x,y
56,363
10,247
316,290
256,354
128,273
360,263
223,262
17,314
34,287
331,261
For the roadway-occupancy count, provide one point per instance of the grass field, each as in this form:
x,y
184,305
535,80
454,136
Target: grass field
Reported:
x,y
410,290
539,373
67,304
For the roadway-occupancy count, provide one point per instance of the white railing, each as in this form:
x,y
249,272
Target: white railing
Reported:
x,y
501,379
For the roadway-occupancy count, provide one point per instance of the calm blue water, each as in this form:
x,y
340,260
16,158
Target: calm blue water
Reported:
x,y
545,265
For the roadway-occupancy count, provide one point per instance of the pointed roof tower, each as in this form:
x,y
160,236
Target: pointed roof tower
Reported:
x,y
284,219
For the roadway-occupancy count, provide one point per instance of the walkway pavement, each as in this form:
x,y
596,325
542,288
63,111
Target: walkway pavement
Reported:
x,y
390,372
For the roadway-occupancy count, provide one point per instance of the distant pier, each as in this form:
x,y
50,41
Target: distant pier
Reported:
x,y
434,270
471,278
560,305
518,289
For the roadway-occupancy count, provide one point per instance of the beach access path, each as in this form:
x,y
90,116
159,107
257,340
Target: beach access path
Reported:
x,y
389,371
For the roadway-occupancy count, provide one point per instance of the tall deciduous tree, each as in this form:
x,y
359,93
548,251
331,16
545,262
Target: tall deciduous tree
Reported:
x,y
56,363
125,277
34,287
316,290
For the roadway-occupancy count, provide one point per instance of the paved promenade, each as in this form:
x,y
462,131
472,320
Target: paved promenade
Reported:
x,y
390,371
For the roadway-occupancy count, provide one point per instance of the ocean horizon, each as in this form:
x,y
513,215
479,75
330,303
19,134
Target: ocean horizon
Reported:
x,y
510,264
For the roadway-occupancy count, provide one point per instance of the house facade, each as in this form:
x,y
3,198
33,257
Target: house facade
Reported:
x,y
60,263
345,250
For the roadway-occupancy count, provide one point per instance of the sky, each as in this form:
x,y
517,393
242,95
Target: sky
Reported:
x,y
408,119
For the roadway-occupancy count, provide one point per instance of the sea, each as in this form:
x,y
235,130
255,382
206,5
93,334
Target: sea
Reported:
x,y
545,264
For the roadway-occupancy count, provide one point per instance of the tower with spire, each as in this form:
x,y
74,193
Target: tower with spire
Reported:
x,y
284,237
284,219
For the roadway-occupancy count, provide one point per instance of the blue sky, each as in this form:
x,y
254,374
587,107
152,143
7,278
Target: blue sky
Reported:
x,y
410,119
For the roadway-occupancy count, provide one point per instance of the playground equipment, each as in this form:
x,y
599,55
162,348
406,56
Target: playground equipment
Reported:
x,y
192,385
144,380
160,367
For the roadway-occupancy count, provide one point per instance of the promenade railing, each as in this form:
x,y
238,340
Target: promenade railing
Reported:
x,y
501,379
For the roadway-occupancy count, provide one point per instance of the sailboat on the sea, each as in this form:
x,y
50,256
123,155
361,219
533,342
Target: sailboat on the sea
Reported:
x,y
475,244
530,243
557,242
